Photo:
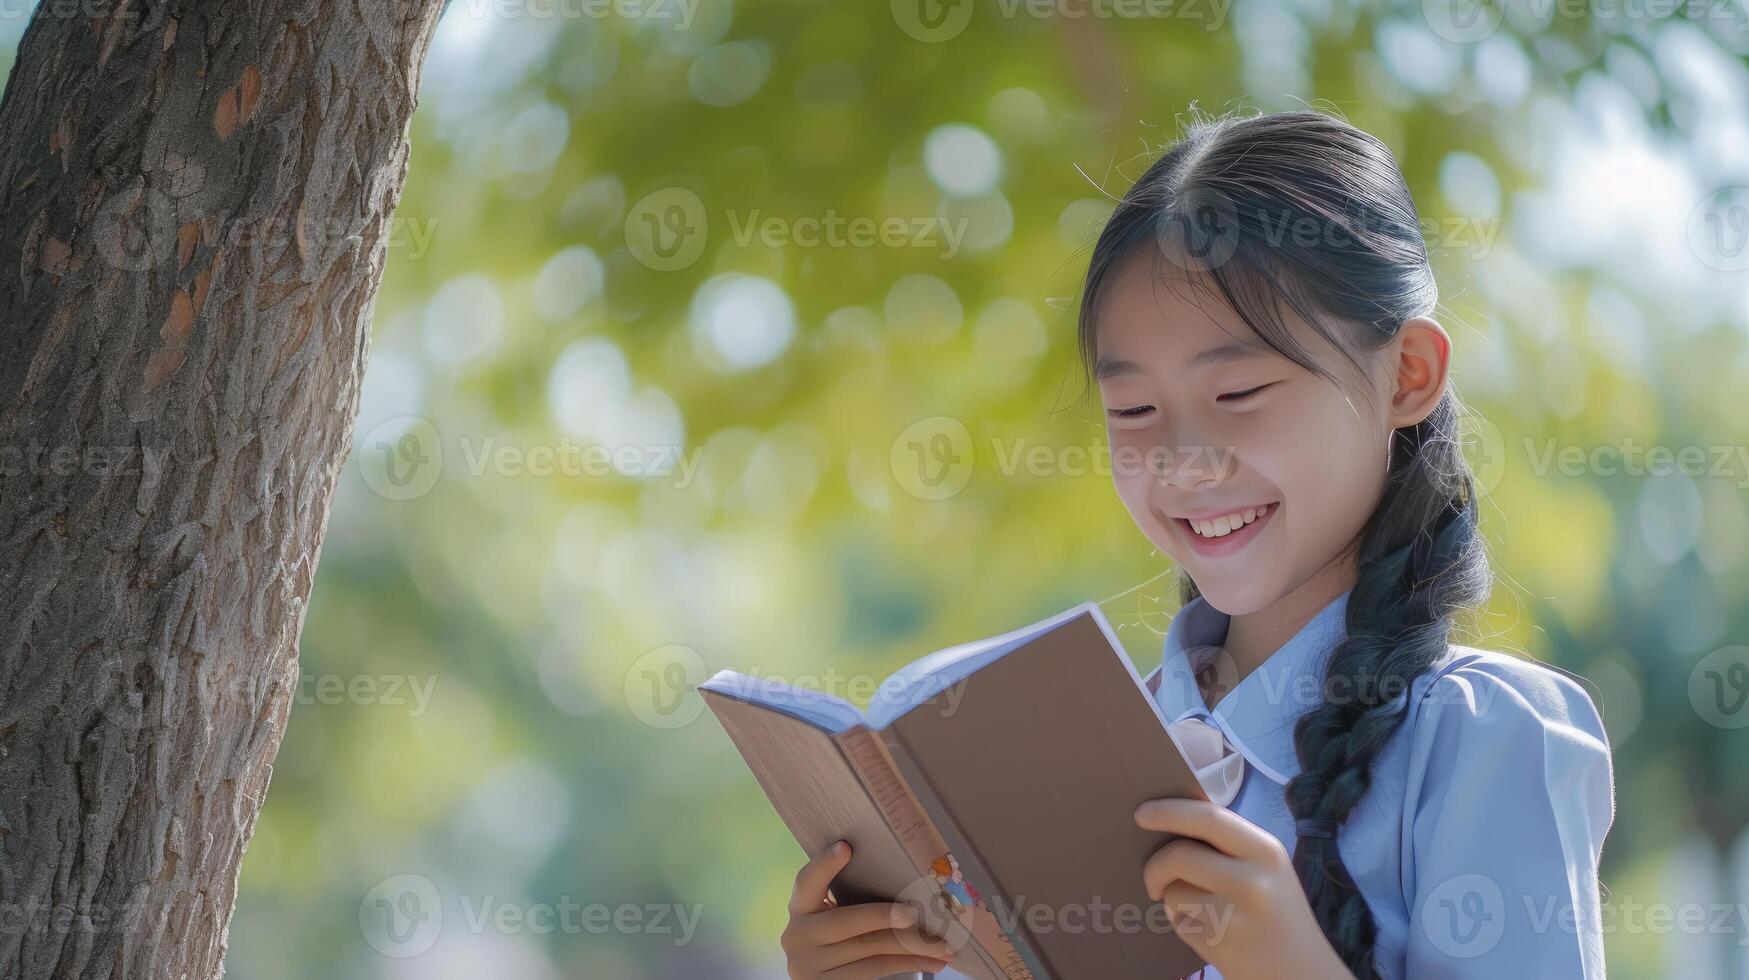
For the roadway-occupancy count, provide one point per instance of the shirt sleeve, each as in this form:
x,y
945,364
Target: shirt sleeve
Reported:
x,y
1511,793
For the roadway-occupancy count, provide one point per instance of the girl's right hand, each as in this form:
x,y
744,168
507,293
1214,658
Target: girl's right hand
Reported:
x,y
825,941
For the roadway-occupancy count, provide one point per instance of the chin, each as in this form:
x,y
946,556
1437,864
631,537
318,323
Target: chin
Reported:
x,y
1238,597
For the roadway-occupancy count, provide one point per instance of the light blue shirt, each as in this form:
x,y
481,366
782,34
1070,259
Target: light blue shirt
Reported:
x,y
1478,844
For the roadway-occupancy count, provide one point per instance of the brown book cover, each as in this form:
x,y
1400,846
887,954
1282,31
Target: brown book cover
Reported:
x,y
991,785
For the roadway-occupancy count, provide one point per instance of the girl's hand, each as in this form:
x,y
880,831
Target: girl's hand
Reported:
x,y
853,942
1230,891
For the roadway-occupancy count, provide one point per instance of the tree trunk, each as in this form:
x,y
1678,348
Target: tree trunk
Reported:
x,y
195,199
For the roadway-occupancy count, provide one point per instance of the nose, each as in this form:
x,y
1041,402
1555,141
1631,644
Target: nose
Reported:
x,y
1191,467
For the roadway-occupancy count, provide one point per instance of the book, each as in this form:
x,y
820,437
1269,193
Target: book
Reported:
x,y
992,786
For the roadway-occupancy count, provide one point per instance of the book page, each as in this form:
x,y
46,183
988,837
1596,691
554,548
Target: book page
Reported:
x,y
818,794
822,709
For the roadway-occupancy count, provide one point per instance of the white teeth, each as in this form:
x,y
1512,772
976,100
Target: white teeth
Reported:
x,y
1226,524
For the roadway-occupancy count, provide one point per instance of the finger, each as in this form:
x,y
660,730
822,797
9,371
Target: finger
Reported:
x,y
891,942
1218,826
876,967
849,921
815,877
1196,914
1190,860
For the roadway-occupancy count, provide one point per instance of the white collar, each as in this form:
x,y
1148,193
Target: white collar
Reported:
x,y
1258,715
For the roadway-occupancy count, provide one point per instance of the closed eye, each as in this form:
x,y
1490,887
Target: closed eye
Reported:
x,y
1141,410
1241,395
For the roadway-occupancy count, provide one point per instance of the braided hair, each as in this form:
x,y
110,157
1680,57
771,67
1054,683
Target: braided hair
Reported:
x,y
1232,199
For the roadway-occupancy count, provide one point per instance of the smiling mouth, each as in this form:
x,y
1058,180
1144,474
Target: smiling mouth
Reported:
x,y
1227,533
1226,524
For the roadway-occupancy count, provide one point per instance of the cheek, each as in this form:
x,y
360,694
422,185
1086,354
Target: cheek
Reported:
x,y
1130,478
1330,466
1135,483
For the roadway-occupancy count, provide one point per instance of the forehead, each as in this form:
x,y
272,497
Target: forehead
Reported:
x,y
1154,315
1152,310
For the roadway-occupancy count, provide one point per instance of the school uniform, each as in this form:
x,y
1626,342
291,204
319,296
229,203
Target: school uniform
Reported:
x,y
1477,845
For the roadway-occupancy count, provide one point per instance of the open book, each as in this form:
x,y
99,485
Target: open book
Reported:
x,y
992,786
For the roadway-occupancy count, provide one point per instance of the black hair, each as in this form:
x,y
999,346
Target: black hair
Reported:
x,y
1304,209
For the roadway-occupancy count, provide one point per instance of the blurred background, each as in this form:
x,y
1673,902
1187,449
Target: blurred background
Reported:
x,y
723,333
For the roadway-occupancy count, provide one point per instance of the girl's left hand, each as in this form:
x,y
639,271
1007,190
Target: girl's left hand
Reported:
x,y
1231,894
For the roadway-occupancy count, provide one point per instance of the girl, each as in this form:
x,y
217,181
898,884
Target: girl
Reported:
x,y
1258,315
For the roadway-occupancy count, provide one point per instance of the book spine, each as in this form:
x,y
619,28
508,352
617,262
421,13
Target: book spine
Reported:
x,y
921,842
863,749
1011,951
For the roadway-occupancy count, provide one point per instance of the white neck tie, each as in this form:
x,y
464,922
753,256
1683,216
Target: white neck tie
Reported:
x,y
1218,766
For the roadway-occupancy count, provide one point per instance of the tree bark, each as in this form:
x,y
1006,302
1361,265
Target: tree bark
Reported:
x,y
195,199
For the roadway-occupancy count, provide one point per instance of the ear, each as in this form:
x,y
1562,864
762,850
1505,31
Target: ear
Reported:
x,y
1420,359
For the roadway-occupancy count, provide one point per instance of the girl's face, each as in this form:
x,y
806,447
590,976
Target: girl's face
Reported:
x,y
1208,423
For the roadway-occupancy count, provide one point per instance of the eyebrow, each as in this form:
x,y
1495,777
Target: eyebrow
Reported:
x,y
1108,367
